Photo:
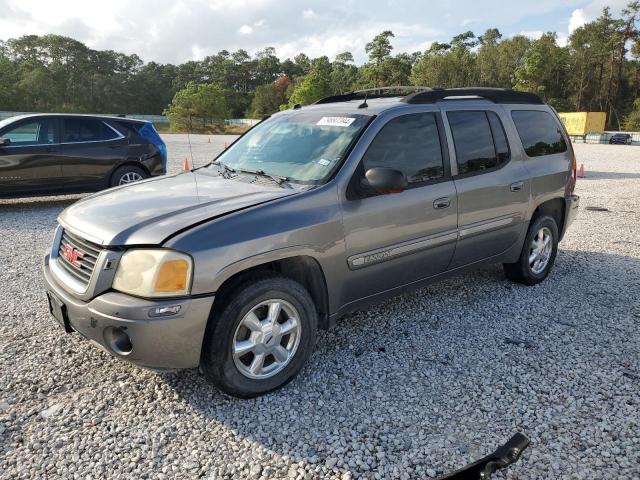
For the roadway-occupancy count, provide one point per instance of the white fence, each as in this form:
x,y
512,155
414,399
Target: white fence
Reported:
x,y
242,121
604,137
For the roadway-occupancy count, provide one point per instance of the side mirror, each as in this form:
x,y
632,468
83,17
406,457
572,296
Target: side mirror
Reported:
x,y
382,181
4,142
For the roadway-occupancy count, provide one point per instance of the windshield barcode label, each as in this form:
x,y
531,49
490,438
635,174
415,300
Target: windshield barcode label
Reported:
x,y
336,121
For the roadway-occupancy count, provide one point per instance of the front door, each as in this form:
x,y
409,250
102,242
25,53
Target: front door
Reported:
x,y
396,239
29,162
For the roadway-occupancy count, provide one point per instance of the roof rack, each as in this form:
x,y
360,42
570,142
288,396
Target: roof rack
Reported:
x,y
495,95
379,92
431,95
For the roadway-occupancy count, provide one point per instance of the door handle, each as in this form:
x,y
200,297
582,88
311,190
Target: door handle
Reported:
x,y
516,187
443,202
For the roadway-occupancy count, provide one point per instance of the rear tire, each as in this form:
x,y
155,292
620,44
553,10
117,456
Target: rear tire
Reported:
x,y
260,336
127,174
538,253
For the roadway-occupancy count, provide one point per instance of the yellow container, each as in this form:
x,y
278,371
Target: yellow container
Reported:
x,y
581,123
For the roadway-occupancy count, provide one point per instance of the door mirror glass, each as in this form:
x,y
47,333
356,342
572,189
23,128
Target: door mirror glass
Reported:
x,y
4,142
382,181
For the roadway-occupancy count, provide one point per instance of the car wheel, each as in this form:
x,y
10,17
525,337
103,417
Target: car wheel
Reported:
x,y
127,174
538,253
259,336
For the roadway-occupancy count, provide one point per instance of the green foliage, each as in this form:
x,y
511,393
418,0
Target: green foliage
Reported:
x,y
544,70
268,98
196,106
380,47
632,122
315,85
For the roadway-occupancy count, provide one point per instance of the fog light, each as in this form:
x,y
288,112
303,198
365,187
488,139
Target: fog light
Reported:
x,y
166,311
118,340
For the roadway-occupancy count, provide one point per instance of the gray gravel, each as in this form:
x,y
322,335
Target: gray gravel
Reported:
x,y
410,388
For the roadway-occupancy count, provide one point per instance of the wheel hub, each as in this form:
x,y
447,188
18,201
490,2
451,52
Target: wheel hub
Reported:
x,y
266,339
540,250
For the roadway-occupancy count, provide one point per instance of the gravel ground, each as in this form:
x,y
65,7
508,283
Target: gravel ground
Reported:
x,y
410,388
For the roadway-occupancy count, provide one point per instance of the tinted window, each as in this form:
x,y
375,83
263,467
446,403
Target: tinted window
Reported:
x,y
499,138
539,132
474,142
86,130
39,132
410,144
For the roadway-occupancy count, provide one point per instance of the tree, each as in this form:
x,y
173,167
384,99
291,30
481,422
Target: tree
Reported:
x,y
315,85
544,70
268,98
448,65
344,74
380,47
196,106
632,121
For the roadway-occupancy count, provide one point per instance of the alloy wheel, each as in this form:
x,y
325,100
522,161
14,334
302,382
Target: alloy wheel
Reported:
x,y
540,250
266,339
129,177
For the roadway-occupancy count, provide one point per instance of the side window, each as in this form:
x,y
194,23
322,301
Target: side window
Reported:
x,y
474,141
499,138
411,144
40,132
539,132
86,130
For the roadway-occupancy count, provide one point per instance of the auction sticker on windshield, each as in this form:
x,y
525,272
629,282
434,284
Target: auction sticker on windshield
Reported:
x,y
336,121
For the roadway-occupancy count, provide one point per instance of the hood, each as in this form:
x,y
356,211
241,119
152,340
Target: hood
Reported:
x,y
148,212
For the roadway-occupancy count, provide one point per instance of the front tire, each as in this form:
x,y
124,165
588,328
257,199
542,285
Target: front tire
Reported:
x,y
260,336
538,253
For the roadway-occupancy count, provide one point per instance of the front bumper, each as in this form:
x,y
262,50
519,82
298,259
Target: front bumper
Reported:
x,y
162,342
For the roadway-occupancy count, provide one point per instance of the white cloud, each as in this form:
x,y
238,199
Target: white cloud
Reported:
x,y
532,34
179,30
309,14
578,18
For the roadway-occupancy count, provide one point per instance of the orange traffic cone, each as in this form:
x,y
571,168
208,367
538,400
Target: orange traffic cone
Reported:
x,y
185,165
581,171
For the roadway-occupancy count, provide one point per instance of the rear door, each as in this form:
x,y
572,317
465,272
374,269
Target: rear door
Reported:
x,y
29,163
91,148
491,182
396,239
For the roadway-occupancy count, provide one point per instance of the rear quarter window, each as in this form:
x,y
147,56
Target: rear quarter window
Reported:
x,y
539,132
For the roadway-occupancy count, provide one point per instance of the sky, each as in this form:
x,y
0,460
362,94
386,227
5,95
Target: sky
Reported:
x,y
175,31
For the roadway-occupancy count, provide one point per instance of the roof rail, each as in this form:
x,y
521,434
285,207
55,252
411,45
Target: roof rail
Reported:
x,y
378,92
431,95
495,95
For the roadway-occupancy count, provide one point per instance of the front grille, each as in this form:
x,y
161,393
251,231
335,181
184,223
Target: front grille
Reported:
x,y
84,255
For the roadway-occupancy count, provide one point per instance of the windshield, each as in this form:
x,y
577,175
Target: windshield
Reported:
x,y
304,147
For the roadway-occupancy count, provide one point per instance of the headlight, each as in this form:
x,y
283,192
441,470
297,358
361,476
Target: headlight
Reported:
x,y
154,273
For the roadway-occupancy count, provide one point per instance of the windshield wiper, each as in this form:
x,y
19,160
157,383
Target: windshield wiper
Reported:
x,y
281,181
226,169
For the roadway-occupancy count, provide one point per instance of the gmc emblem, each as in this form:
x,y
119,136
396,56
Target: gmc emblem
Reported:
x,y
73,255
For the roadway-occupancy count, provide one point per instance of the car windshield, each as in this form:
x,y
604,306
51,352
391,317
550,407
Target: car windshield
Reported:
x,y
304,147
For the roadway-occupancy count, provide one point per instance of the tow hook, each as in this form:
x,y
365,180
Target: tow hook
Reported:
x,y
504,456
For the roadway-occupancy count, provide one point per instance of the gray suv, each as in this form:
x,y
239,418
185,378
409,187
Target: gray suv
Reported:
x,y
314,212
